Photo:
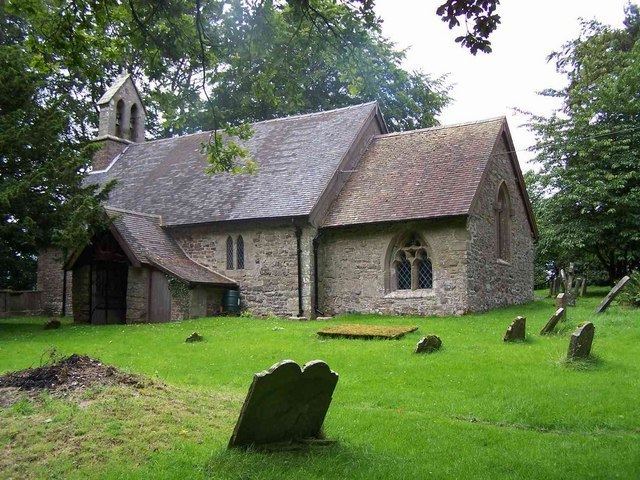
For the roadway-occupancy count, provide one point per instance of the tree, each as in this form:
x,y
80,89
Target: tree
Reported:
x,y
589,149
207,65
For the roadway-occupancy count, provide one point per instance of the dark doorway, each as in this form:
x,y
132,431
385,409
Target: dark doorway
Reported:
x,y
109,293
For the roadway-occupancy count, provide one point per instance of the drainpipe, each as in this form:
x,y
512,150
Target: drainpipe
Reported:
x,y
299,255
316,247
64,292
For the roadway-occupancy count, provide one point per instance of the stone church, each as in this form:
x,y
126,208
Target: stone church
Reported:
x,y
342,216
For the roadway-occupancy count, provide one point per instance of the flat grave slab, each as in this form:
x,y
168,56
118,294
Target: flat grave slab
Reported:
x,y
366,332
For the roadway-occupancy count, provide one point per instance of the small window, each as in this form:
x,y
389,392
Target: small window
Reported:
x,y
119,117
240,253
229,253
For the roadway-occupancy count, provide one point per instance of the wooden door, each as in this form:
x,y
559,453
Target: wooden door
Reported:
x,y
160,298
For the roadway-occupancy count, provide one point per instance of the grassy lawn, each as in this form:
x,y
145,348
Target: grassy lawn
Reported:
x,y
478,408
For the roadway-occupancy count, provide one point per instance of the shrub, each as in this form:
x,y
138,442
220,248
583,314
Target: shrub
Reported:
x,y
630,295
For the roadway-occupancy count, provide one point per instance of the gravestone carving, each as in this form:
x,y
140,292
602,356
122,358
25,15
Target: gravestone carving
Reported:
x,y
285,404
612,294
516,331
429,344
581,340
550,326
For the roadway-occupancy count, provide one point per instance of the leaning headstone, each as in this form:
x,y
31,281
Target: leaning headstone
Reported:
x,y
612,294
581,340
516,331
194,337
583,287
550,326
429,344
52,324
561,300
285,404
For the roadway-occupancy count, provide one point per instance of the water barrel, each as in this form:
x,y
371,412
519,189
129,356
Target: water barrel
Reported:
x,y
231,301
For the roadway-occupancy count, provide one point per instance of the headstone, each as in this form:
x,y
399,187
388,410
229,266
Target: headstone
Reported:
x,y
550,326
583,287
429,344
194,337
516,331
285,404
561,300
581,340
612,294
52,324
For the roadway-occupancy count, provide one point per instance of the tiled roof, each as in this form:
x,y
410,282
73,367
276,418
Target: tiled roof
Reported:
x,y
151,244
297,157
417,174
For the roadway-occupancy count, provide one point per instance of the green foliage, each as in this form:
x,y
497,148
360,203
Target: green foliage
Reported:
x,y
225,154
630,295
588,198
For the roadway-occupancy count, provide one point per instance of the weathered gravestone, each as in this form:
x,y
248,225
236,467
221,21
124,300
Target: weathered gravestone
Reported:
x,y
581,340
429,344
285,404
516,331
583,287
553,321
612,294
561,300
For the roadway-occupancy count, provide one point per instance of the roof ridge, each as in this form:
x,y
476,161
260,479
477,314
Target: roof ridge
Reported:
x,y
441,127
132,212
279,119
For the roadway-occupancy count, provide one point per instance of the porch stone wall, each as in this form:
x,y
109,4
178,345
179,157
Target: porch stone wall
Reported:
x,y
352,263
81,296
49,282
492,282
269,280
138,295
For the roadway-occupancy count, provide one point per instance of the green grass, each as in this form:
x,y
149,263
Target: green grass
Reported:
x,y
478,408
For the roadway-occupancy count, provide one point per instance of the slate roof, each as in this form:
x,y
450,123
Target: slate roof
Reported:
x,y
151,244
297,157
418,174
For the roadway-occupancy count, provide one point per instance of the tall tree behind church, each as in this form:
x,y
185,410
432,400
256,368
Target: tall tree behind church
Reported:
x,y
590,149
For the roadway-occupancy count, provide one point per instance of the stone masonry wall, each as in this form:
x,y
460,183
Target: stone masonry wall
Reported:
x,y
50,278
493,282
137,295
269,280
352,263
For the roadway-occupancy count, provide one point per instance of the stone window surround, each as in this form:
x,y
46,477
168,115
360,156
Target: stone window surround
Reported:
x,y
397,244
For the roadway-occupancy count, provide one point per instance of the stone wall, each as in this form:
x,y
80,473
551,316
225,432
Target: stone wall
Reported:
x,y
269,280
492,281
50,279
137,295
108,150
352,263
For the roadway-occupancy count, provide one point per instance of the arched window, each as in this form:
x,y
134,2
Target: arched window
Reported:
x,y
133,123
240,253
503,222
410,267
119,117
229,253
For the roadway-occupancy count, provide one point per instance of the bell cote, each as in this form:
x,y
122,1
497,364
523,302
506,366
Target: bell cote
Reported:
x,y
122,113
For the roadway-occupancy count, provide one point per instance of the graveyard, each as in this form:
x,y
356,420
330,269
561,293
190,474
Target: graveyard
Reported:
x,y
478,407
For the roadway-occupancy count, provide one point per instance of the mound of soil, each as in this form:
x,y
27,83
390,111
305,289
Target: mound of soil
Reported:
x,y
72,373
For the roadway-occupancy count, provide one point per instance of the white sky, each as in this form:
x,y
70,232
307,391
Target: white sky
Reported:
x,y
490,85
